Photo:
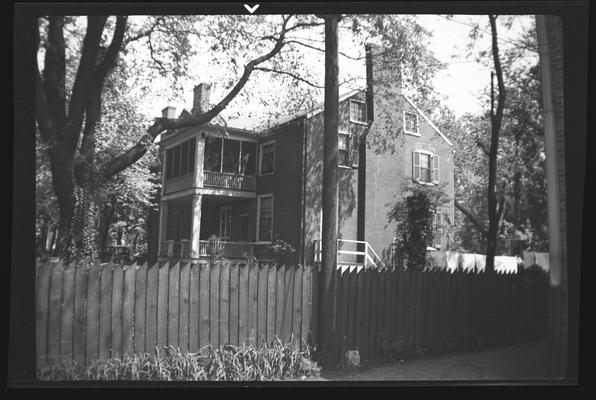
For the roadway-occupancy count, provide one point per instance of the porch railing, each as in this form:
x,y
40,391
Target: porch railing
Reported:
x,y
222,248
371,259
229,181
171,248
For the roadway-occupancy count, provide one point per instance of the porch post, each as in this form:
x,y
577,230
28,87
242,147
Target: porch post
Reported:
x,y
163,223
199,161
197,201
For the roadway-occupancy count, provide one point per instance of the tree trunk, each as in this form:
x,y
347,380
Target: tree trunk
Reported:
x,y
329,229
494,209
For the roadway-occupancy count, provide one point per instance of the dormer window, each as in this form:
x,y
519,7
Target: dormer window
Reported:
x,y
411,123
358,111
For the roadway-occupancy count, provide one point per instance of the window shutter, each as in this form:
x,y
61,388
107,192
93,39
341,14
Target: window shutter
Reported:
x,y
354,151
416,166
435,169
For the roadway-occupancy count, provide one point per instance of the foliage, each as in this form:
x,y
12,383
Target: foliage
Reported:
x,y
413,214
520,160
276,361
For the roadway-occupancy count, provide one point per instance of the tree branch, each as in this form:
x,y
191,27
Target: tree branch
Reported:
x,y
275,71
483,147
145,33
473,219
132,154
54,71
85,70
109,60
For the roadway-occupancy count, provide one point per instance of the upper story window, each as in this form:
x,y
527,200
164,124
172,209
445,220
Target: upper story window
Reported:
x,y
229,156
265,218
180,159
267,158
425,167
411,123
348,153
357,111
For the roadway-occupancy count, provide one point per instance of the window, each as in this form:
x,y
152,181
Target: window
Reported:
x,y
265,218
411,123
179,220
225,222
343,144
180,159
231,156
357,111
249,156
267,165
425,167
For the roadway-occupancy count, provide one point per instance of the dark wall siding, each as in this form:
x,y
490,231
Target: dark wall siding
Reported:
x,y
285,184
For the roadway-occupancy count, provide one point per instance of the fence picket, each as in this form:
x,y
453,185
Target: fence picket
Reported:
x,y
162,306
92,325
214,309
224,304
41,314
297,304
359,312
306,303
243,306
352,298
66,323
234,304
253,275
262,304
79,318
193,325
117,292
184,308
55,309
288,303
280,296
204,305
140,308
128,309
151,309
271,301
173,305
105,312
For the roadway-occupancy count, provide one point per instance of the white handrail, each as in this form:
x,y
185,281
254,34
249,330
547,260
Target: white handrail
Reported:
x,y
365,253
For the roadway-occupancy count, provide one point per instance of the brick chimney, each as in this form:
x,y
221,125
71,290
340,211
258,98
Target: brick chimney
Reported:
x,y
202,98
169,112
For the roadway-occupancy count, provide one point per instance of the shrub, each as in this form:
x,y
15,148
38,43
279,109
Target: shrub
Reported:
x,y
225,363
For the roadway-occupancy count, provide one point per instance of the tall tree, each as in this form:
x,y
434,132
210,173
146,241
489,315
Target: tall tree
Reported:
x,y
495,200
330,187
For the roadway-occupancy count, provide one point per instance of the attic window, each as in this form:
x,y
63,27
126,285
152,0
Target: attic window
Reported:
x,y
411,123
357,111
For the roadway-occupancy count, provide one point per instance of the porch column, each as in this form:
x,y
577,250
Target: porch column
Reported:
x,y
163,224
199,161
195,236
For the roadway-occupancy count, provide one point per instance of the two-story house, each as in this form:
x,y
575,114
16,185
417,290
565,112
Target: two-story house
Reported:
x,y
251,187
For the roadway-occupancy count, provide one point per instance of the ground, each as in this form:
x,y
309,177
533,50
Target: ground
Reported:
x,y
521,362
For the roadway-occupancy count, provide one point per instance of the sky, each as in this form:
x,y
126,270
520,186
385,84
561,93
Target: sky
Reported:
x,y
464,78
460,83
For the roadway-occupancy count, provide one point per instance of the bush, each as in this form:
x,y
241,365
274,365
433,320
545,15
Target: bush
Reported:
x,y
225,363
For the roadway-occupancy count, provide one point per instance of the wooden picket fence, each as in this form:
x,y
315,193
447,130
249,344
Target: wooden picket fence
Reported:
x,y
377,308
108,310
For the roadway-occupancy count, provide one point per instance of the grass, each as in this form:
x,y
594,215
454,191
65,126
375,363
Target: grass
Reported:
x,y
277,361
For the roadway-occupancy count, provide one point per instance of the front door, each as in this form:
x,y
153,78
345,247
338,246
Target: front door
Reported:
x,y
225,222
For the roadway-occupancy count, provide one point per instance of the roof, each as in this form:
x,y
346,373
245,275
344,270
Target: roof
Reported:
x,y
320,107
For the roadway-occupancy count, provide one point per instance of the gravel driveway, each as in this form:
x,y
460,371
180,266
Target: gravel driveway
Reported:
x,y
522,362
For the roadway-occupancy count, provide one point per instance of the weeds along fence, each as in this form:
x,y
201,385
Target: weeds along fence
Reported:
x,y
380,310
107,310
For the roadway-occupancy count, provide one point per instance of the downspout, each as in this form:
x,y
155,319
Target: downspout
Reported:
x,y
303,200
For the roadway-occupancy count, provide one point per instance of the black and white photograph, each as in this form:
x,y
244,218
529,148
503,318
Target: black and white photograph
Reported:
x,y
317,194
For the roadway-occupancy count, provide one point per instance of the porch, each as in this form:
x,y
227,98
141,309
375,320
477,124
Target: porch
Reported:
x,y
206,226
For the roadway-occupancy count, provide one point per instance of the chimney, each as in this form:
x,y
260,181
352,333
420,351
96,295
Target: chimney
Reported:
x,y
386,72
169,112
202,98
